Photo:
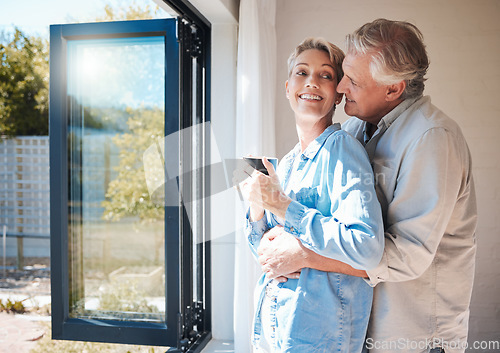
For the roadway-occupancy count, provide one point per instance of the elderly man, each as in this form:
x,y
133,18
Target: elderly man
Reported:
x,y
424,183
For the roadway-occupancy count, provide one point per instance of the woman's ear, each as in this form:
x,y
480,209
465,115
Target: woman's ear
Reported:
x,y
338,100
286,89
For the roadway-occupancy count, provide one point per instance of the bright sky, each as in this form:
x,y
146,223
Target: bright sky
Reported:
x,y
35,16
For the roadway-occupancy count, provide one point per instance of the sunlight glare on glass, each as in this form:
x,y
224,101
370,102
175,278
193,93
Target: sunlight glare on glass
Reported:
x,y
91,67
119,72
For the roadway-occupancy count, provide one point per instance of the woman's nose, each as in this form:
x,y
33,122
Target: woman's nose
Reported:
x,y
312,82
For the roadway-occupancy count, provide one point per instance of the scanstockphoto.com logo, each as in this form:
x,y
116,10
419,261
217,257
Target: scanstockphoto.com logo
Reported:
x,y
164,175
163,172
407,345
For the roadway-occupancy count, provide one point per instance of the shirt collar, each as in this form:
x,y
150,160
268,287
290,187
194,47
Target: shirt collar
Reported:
x,y
313,148
390,117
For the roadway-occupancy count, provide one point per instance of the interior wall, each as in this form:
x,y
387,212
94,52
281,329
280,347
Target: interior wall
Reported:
x,y
222,125
463,43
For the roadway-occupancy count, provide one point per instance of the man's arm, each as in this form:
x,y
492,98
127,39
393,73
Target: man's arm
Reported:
x,y
432,177
326,264
282,255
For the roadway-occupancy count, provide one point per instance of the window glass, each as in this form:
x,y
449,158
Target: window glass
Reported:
x,y
116,100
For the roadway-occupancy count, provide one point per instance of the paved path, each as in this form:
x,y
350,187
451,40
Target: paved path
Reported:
x,y
19,333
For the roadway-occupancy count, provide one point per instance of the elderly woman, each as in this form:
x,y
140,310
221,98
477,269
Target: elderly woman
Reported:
x,y
323,194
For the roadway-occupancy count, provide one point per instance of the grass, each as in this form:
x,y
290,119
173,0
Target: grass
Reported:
x,y
15,307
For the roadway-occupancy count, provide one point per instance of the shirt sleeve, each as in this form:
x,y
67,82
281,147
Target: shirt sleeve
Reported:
x,y
351,230
432,175
255,230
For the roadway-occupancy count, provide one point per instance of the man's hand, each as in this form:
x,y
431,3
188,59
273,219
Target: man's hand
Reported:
x,y
281,254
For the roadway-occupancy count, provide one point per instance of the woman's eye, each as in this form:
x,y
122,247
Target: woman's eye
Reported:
x,y
301,73
327,76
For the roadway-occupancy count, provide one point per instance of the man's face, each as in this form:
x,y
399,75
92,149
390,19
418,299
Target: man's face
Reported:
x,y
365,98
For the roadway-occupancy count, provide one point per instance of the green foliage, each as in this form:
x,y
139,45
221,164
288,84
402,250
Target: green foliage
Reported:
x,y
24,84
125,297
16,307
128,194
133,11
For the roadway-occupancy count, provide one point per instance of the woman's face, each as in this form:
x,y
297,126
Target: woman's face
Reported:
x,y
312,86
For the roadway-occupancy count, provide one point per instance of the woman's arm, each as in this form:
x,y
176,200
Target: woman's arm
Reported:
x,y
345,220
265,192
346,224
256,213
256,187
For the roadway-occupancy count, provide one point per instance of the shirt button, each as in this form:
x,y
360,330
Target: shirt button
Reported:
x,y
292,229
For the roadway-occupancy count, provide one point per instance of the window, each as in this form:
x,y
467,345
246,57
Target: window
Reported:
x,y
128,142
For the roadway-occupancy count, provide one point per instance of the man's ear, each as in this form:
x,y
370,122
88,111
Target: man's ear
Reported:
x,y
395,91
286,89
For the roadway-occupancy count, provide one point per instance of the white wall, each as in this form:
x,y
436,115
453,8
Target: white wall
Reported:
x,y
223,100
463,43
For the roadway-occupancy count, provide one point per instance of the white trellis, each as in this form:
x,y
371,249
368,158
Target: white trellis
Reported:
x,y
24,188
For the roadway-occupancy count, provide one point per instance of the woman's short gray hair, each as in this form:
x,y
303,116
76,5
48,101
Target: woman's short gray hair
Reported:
x,y
398,53
335,53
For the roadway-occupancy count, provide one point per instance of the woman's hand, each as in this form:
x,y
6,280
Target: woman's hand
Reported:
x,y
240,175
281,255
265,192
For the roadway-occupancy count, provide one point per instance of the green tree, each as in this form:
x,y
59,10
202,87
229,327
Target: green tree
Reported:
x,y
125,12
128,195
24,82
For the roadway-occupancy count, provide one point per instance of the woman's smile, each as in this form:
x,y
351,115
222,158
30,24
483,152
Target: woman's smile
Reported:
x,y
310,97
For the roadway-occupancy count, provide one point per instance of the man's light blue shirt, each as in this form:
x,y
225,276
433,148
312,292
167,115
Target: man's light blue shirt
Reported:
x,y
425,187
334,212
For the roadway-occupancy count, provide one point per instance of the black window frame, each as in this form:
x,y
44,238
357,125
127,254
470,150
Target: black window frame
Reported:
x,y
187,326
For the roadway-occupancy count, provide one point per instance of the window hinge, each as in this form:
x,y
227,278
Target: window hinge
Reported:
x,y
190,325
189,36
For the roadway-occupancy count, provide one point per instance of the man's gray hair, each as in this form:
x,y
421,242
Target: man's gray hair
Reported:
x,y
398,53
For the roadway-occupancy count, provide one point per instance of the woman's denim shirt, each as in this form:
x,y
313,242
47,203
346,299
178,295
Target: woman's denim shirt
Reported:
x,y
334,212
